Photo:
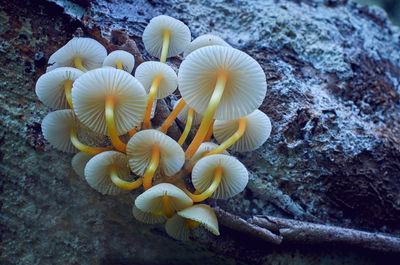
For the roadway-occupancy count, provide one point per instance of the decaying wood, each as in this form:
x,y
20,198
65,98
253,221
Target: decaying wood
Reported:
x,y
311,233
236,223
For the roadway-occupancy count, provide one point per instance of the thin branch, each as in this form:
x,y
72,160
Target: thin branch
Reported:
x,y
238,224
310,233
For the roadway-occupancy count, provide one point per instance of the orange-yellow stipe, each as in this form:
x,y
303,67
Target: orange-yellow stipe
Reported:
x,y
209,115
188,125
132,132
209,133
67,90
231,140
119,65
85,148
125,185
150,99
167,206
210,190
191,223
164,51
153,165
111,128
78,64
172,116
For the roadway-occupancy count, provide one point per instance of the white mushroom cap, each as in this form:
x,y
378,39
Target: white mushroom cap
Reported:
x,y
79,162
203,41
182,116
203,149
175,228
147,71
139,151
50,86
234,175
89,94
146,217
203,214
90,50
97,171
245,88
153,36
258,129
127,60
56,127
151,200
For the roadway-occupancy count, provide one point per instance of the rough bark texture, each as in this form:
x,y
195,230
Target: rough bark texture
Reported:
x,y
333,73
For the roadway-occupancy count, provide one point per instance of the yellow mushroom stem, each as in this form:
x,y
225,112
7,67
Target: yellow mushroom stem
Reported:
x,y
78,64
111,128
132,132
165,45
67,90
172,116
153,165
125,185
85,148
167,206
210,190
209,133
150,99
222,79
189,121
231,140
189,223
119,65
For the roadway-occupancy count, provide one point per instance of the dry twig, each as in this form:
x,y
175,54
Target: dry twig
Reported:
x,y
310,233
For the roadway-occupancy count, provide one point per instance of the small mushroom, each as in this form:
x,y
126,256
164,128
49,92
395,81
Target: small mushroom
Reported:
x,y
180,224
110,102
79,162
148,218
107,173
54,87
159,81
82,53
163,199
165,37
222,82
218,176
203,41
243,135
60,129
151,150
121,60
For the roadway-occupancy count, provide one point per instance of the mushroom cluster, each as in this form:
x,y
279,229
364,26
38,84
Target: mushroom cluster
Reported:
x,y
221,89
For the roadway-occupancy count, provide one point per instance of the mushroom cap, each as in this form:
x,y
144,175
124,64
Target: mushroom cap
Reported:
x,y
139,152
203,41
203,214
127,60
234,175
151,200
203,149
147,71
245,88
175,228
50,86
182,116
89,94
97,171
56,127
153,36
79,162
258,129
146,217
90,50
